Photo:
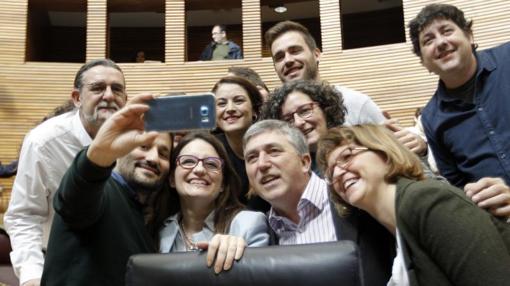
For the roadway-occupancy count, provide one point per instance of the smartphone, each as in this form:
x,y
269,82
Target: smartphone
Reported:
x,y
181,113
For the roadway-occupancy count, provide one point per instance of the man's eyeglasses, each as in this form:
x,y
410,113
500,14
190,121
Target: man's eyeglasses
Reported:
x,y
304,111
343,160
211,164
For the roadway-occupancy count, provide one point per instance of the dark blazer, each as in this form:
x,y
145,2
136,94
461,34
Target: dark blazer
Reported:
x,y
234,51
376,244
447,239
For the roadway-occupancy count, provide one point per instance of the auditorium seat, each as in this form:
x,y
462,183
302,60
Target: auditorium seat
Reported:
x,y
335,263
7,276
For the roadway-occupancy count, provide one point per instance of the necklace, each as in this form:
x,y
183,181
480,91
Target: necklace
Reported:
x,y
190,245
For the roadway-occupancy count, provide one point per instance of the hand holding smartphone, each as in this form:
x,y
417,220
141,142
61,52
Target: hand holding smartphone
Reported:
x,y
181,113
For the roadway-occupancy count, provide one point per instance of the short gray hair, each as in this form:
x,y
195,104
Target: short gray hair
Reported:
x,y
294,136
78,80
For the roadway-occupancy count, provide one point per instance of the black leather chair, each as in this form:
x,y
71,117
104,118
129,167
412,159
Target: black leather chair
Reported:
x,y
335,263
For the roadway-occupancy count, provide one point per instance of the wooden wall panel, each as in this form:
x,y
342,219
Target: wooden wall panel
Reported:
x,y
12,30
390,74
175,33
330,25
96,29
252,37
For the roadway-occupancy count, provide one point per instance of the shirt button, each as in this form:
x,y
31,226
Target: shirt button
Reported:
x,y
480,108
491,132
503,156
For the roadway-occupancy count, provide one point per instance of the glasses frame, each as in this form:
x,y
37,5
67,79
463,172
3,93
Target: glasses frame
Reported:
x,y
289,117
198,160
329,176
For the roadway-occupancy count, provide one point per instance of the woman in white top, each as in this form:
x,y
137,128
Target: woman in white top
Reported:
x,y
206,188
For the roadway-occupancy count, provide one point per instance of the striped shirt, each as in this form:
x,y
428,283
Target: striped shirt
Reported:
x,y
315,223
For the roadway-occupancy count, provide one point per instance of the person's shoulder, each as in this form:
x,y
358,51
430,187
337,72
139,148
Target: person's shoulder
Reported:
x,y
52,128
503,49
496,56
233,44
351,94
248,222
428,112
425,193
247,215
361,109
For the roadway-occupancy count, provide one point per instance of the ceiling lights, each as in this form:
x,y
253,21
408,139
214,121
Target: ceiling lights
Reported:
x,y
280,9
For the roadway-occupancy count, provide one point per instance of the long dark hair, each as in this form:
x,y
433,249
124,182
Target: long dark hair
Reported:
x,y
227,204
253,93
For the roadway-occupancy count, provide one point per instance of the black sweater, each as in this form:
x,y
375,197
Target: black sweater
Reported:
x,y
98,224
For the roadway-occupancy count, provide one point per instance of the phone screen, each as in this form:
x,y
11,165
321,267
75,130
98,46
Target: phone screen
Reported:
x,y
181,113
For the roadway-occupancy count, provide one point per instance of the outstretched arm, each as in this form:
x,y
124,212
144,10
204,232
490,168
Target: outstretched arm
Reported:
x,y
407,138
79,199
121,133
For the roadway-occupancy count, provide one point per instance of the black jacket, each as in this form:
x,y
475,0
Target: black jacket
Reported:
x,y
234,51
98,225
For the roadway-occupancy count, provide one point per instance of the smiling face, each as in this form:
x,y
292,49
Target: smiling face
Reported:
x,y
293,59
198,182
234,110
275,170
446,50
356,174
314,126
103,93
147,166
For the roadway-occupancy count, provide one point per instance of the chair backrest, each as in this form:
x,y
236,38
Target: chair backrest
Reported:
x,y
335,263
5,248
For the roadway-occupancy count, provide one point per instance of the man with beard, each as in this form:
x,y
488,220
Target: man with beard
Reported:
x,y
47,152
296,57
102,208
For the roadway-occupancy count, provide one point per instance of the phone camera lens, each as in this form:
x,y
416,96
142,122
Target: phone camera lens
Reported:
x,y
204,110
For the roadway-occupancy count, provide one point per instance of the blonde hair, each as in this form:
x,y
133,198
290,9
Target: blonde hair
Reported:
x,y
400,160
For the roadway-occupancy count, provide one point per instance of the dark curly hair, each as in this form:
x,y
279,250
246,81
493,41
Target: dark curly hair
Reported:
x,y
330,100
432,12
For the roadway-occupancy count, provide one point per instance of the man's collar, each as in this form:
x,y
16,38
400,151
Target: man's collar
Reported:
x,y
484,64
132,192
82,133
119,179
313,193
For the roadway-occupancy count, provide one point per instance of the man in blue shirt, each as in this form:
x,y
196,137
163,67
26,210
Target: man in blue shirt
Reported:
x,y
465,121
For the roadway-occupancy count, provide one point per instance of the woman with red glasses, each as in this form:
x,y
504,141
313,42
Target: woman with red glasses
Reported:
x,y
443,237
206,189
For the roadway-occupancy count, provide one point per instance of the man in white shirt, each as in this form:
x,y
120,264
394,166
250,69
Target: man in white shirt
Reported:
x,y
296,56
47,151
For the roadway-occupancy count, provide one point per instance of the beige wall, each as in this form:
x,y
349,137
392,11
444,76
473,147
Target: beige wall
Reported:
x,y
390,74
